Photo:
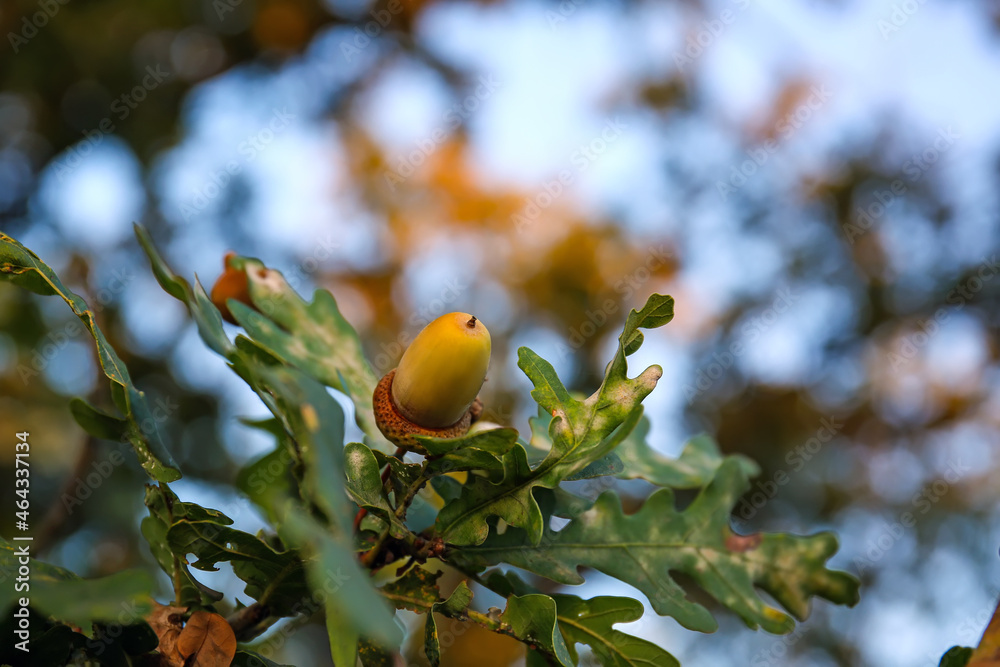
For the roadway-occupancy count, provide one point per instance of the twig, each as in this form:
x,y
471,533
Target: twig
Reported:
x,y
479,618
245,621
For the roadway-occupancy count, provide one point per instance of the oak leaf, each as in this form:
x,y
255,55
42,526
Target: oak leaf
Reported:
x,y
207,641
167,622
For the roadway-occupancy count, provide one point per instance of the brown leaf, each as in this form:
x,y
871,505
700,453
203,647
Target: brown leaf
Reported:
x,y
207,641
167,623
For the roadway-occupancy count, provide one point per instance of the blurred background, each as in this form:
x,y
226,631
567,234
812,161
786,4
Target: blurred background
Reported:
x,y
815,182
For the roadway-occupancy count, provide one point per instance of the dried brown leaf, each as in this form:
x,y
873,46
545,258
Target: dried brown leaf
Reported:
x,y
207,641
167,622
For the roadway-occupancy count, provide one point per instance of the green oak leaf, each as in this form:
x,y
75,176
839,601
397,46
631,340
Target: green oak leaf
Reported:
x,y
448,488
417,591
642,549
63,595
199,305
373,655
591,622
332,568
364,485
82,602
22,267
539,446
480,450
497,440
532,619
956,656
581,432
276,576
421,513
342,634
364,479
316,421
464,519
694,468
97,422
268,482
454,607
403,476
609,464
164,507
313,336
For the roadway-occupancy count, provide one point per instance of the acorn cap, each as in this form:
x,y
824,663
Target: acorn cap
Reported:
x,y
401,431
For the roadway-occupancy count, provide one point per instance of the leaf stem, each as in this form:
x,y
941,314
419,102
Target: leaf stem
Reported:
x,y
176,574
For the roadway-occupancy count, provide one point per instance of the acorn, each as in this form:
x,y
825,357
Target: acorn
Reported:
x,y
232,284
433,391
